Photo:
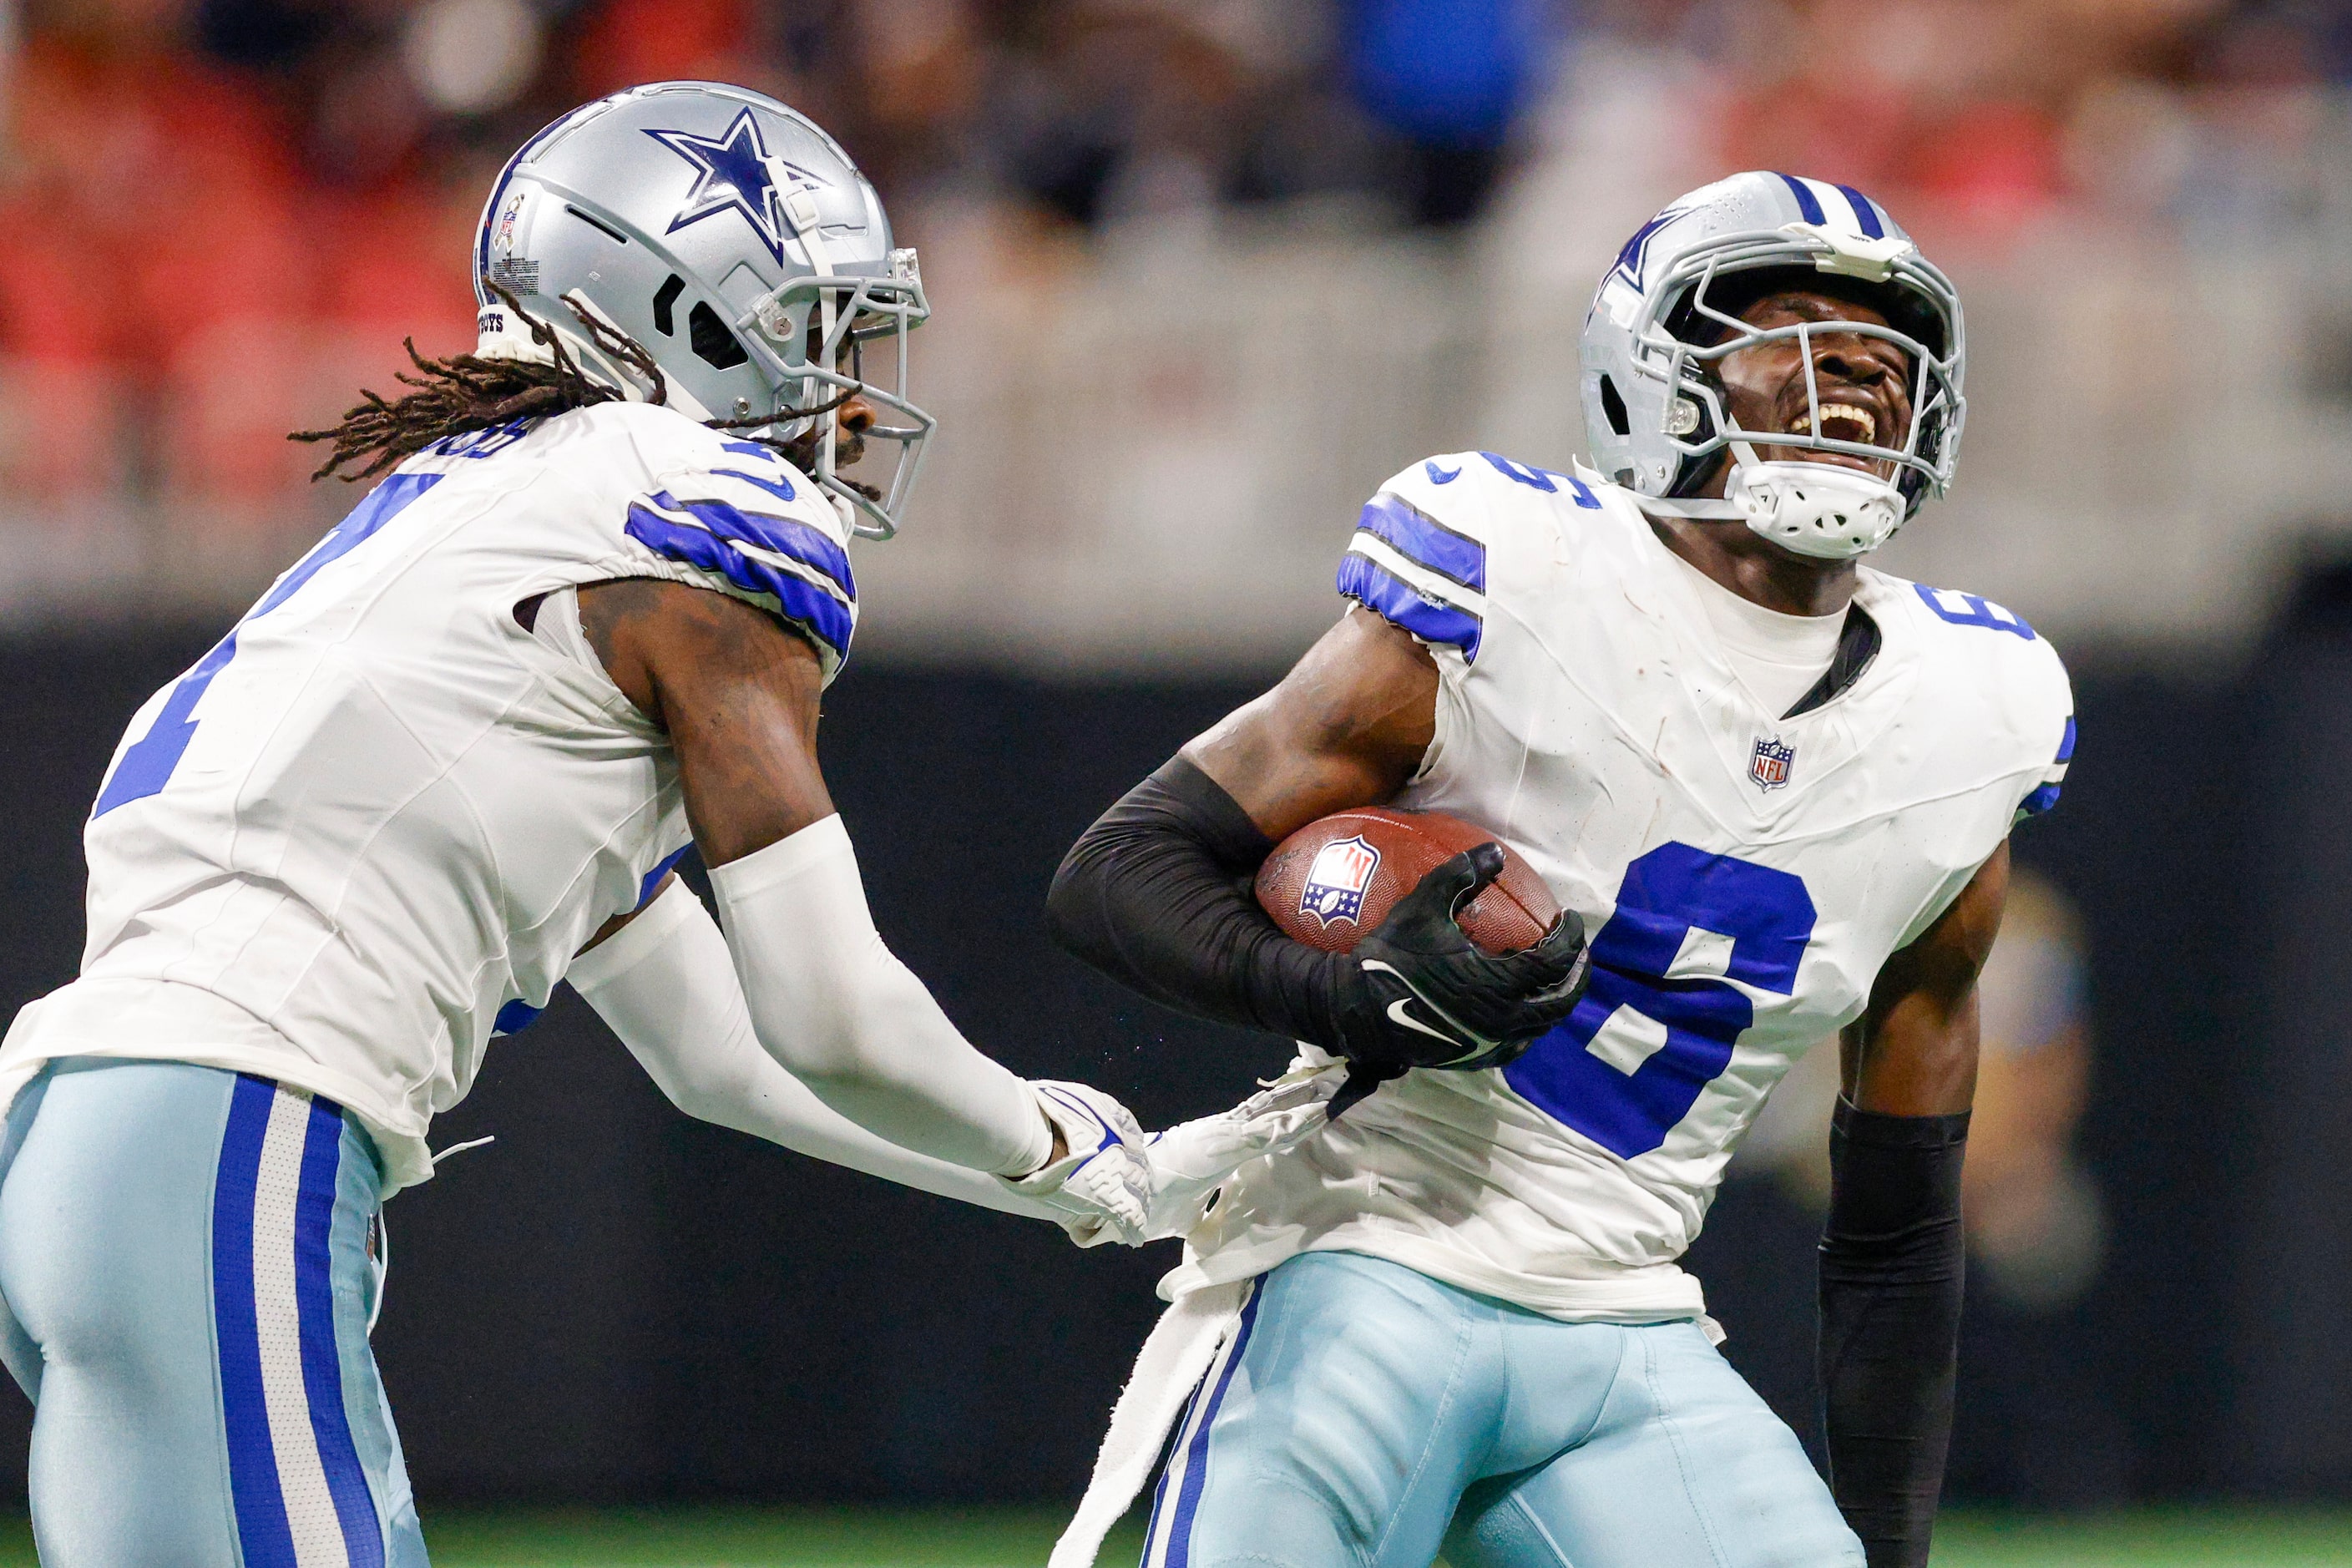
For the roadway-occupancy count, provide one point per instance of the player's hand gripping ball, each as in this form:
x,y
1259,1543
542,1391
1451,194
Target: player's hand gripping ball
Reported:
x,y
1457,954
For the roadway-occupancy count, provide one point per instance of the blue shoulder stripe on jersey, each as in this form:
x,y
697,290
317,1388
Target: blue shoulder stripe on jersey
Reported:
x,y
1425,542
1808,204
1389,596
786,536
752,449
2066,742
803,602
2040,801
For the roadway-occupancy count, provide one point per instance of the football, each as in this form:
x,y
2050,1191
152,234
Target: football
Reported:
x,y
1338,877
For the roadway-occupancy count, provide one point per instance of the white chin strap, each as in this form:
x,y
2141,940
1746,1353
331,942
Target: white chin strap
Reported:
x,y
1822,509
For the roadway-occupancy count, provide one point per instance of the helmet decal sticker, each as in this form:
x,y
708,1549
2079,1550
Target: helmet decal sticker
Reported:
x,y
735,174
1631,259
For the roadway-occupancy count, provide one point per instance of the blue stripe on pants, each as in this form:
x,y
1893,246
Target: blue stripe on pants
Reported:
x,y
261,1527
276,1493
184,1253
1196,1448
323,1371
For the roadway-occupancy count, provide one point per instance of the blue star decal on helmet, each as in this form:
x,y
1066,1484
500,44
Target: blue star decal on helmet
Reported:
x,y
1636,253
735,174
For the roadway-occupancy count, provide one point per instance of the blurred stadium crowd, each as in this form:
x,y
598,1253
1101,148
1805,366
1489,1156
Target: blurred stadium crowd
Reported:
x,y
219,217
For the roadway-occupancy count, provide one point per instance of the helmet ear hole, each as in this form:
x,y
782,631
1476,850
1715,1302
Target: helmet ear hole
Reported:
x,y
663,298
713,344
1612,407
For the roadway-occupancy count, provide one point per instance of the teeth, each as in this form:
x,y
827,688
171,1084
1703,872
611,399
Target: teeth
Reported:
x,y
1845,411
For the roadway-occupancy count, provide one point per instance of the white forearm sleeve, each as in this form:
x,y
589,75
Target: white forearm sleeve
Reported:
x,y
833,1004
666,985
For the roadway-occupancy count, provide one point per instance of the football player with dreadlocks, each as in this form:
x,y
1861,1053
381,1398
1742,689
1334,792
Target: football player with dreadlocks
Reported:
x,y
583,622
1775,783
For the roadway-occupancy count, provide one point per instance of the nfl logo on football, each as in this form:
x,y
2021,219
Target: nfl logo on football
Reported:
x,y
1335,882
1769,766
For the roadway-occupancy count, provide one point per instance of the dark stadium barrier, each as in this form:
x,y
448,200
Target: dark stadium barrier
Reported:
x,y
612,1302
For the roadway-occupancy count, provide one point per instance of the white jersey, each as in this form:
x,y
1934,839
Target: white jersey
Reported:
x,y
1742,876
373,825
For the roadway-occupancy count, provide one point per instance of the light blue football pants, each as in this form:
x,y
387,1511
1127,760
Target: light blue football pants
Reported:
x,y
183,1264
1365,1416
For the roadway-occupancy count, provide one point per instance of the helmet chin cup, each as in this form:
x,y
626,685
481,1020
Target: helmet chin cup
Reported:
x,y
1820,509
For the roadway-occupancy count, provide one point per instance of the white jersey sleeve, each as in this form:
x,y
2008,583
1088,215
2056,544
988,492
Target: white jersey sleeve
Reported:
x,y
2003,680
2031,702
1420,557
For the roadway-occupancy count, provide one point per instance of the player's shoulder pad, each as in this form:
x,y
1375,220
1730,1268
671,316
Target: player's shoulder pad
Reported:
x,y
1975,640
1419,555
751,524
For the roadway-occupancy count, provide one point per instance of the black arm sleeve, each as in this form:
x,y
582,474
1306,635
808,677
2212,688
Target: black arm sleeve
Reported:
x,y
1156,894
1891,1266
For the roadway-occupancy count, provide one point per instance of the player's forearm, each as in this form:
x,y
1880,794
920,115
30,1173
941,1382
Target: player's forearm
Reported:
x,y
1892,1265
669,992
837,1011
1156,895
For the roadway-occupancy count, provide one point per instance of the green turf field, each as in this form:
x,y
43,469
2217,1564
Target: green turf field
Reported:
x,y
1019,1538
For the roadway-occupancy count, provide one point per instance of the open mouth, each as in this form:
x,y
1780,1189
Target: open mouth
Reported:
x,y
1838,422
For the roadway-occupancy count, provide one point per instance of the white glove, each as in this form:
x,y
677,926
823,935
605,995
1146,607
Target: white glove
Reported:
x,y
1188,1162
1100,1189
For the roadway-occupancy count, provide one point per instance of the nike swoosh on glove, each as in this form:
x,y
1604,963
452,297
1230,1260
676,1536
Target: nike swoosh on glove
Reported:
x,y
1100,1190
1189,1160
1417,993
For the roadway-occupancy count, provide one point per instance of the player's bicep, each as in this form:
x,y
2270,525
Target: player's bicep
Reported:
x,y
1914,1050
737,692
1347,727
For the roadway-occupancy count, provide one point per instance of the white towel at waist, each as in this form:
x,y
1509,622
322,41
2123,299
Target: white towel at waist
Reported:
x,y
1174,1359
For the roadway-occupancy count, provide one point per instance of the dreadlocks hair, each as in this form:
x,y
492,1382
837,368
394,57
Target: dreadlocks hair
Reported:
x,y
466,391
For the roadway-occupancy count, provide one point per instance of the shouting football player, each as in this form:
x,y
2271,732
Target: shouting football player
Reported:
x,y
1776,786
583,622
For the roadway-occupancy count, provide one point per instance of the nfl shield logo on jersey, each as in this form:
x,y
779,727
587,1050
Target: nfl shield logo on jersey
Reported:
x,y
1769,766
1335,882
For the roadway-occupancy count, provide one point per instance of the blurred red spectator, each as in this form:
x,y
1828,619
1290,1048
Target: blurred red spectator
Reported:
x,y
1989,166
624,42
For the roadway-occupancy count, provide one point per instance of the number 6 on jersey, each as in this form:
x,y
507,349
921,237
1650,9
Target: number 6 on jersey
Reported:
x,y
1659,1022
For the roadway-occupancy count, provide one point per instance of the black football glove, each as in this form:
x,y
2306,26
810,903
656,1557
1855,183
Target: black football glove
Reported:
x,y
1417,993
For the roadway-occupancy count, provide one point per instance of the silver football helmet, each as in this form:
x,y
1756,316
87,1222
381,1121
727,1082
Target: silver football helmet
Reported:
x,y
732,241
1667,313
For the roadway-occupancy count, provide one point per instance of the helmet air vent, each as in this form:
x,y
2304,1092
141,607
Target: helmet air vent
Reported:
x,y
598,225
1612,407
663,298
713,344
